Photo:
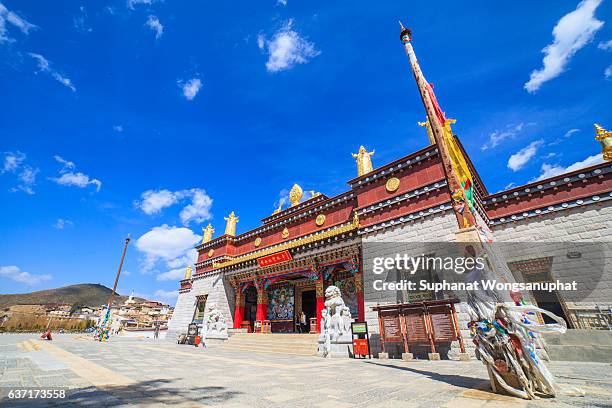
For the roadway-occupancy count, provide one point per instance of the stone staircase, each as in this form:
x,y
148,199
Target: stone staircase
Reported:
x,y
295,344
580,345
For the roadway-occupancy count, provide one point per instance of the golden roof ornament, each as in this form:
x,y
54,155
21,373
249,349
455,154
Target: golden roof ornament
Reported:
x,y
364,161
188,272
430,135
230,226
295,195
356,220
207,233
314,194
605,138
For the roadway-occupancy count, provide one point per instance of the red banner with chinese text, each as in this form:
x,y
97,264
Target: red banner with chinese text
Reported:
x,y
274,259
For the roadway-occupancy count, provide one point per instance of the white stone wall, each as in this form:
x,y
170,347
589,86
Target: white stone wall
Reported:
x,y
220,294
589,224
437,228
182,316
575,228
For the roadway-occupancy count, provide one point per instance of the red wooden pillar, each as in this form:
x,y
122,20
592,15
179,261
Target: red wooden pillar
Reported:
x,y
262,303
320,302
360,304
239,310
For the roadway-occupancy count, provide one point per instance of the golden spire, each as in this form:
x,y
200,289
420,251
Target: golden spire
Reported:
x,y
605,138
188,272
230,226
364,161
430,135
207,233
295,195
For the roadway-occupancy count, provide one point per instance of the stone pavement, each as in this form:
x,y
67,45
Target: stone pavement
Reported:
x,y
133,372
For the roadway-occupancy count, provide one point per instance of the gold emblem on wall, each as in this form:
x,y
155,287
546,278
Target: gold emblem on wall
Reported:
x,y
392,184
211,253
285,233
320,219
257,241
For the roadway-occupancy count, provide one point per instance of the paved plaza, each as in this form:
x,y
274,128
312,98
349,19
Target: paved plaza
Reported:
x,y
140,372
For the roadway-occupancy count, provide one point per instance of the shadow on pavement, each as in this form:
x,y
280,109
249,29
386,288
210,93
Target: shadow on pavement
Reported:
x,y
145,393
452,379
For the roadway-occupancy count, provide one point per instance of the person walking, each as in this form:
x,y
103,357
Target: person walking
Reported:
x,y
156,332
303,328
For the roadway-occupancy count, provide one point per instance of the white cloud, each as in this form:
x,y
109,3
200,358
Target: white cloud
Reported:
x,y
519,159
67,165
166,296
261,41
80,21
45,66
550,170
14,273
287,48
190,88
174,274
570,132
13,163
498,136
607,45
608,72
155,25
77,180
118,128
62,223
154,201
510,185
132,3
8,16
199,209
572,32
27,176
172,245
70,178
281,2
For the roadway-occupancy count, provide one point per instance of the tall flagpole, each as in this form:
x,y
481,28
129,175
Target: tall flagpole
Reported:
x,y
461,209
103,330
112,295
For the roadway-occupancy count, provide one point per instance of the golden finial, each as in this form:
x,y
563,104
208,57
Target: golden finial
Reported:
x,y
605,138
430,135
295,195
230,226
364,161
207,233
188,272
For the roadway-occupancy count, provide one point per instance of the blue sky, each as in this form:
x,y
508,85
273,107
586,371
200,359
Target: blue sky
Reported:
x,y
156,117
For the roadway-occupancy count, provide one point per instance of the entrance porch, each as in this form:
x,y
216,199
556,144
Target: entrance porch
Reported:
x,y
273,301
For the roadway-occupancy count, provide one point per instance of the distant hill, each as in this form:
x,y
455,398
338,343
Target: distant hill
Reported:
x,y
85,294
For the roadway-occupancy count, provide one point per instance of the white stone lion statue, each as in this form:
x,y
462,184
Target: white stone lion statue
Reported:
x,y
335,322
215,324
